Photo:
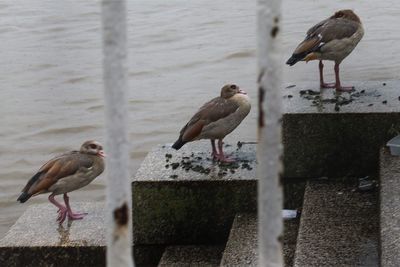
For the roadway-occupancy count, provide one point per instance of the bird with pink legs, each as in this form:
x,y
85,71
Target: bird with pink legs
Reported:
x,y
216,119
66,173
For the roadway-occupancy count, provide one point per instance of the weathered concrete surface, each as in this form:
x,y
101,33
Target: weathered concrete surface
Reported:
x,y
321,141
36,239
241,248
194,256
242,245
185,198
390,209
339,226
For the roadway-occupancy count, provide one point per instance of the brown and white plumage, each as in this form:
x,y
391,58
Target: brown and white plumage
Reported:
x,y
331,39
64,174
216,119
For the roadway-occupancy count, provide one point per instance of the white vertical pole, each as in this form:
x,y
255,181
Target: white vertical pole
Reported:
x,y
269,150
119,224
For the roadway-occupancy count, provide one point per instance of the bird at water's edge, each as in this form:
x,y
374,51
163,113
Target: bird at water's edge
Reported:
x,y
331,39
64,174
216,119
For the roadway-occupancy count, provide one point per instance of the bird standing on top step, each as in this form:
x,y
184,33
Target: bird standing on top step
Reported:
x,y
331,39
216,119
64,174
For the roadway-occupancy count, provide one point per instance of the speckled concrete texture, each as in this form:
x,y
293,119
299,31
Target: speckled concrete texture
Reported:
x,y
338,135
36,239
193,256
241,248
194,202
339,226
390,209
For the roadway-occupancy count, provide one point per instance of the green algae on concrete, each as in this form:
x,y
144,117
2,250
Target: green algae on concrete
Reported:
x,y
338,135
187,205
195,256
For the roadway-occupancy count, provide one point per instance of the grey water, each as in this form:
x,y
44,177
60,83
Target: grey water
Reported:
x,y
180,55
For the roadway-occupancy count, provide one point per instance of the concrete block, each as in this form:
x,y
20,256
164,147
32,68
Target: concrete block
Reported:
x,y
338,227
338,135
36,239
183,197
193,256
389,209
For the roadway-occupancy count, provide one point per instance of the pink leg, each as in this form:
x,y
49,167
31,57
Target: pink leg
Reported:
x,y
62,211
221,156
321,77
338,85
214,153
71,215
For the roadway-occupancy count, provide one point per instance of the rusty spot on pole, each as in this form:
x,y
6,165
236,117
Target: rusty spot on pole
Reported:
x,y
261,96
274,31
121,215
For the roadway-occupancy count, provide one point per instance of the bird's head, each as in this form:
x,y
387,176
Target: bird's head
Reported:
x,y
346,14
92,147
230,90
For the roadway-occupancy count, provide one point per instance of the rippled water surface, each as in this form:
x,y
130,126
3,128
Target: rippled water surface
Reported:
x,y
180,54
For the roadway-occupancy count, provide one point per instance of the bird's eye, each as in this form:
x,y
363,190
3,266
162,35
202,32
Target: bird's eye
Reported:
x,y
233,86
93,146
339,14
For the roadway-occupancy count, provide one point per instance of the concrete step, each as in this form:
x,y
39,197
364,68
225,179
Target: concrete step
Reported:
x,y
241,248
339,226
193,256
183,197
389,209
326,134
36,239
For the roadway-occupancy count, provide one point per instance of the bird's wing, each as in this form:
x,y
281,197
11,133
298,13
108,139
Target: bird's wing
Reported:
x,y
212,111
55,169
324,32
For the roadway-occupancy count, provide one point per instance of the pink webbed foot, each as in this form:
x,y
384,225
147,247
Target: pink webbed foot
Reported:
x,y
328,85
76,216
62,214
344,88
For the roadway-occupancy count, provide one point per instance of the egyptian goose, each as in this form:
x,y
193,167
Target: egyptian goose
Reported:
x,y
331,39
64,174
216,119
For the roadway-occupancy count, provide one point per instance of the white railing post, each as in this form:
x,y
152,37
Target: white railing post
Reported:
x,y
269,150
119,223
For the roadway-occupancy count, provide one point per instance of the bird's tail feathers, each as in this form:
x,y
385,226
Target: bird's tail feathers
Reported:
x,y
24,197
179,143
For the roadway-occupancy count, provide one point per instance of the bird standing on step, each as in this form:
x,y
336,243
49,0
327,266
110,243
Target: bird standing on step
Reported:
x,y
331,39
64,174
216,119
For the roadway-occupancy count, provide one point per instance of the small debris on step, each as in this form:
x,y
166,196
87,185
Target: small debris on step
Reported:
x,y
366,184
290,86
384,102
